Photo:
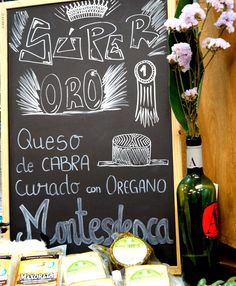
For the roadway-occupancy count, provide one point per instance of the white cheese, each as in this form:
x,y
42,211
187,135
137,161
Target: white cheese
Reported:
x,y
82,266
97,282
143,275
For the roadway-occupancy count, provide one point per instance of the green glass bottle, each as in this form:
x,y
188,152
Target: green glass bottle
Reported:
x,y
198,218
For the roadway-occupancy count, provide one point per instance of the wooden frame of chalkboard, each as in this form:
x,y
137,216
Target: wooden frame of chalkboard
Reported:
x,y
89,144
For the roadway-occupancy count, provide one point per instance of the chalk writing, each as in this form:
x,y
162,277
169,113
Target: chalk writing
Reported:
x,y
98,94
95,32
65,163
24,166
60,188
44,41
140,31
62,50
155,231
26,141
133,186
94,190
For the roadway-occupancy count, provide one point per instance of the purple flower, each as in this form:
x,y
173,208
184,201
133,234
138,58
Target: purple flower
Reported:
x,y
215,44
190,94
221,5
178,25
181,55
173,24
192,14
226,19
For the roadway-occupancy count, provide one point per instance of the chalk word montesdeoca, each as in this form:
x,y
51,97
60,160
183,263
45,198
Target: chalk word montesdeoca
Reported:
x,y
75,230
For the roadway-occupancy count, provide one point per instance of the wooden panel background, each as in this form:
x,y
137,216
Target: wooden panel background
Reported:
x,y
218,129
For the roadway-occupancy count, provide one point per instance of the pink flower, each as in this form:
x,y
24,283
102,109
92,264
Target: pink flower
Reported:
x,y
173,24
181,55
226,19
190,94
221,5
215,44
192,14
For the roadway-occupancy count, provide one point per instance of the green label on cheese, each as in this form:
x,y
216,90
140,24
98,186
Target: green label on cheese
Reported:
x,y
130,250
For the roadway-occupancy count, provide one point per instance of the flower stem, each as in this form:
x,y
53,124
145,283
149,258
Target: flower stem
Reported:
x,y
204,22
212,56
204,56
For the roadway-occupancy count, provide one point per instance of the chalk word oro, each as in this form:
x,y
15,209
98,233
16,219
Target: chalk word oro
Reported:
x,y
51,94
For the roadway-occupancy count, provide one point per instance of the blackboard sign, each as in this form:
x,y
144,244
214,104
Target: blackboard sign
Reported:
x,y
87,123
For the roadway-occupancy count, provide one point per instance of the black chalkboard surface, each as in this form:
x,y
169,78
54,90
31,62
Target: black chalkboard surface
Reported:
x,y
88,124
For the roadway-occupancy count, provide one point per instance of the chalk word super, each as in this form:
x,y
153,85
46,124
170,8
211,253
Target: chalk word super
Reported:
x,y
39,39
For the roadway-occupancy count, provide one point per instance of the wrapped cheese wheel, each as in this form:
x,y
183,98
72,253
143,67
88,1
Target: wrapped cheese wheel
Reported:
x,y
128,249
143,275
97,282
82,266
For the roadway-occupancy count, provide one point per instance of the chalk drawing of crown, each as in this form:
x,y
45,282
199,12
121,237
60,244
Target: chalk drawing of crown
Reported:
x,y
86,9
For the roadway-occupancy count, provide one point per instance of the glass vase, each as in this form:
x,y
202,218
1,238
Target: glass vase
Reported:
x,y
198,218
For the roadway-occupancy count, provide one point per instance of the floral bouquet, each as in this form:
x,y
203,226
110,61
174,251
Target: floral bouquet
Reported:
x,y
190,55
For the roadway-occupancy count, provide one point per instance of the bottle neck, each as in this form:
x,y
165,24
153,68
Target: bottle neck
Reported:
x,y
194,155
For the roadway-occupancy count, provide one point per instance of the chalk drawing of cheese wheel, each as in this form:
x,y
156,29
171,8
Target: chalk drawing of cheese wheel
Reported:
x,y
131,149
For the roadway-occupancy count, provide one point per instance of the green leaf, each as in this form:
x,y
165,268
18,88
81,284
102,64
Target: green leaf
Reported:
x,y
174,96
232,279
175,101
202,282
218,283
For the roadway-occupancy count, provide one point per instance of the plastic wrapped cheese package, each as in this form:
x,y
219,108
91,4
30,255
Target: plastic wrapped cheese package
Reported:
x,y
97,282
82,266
5,269
143,275
39,268
10,251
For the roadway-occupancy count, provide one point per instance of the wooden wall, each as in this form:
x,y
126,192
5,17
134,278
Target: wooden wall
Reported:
x,y
218,129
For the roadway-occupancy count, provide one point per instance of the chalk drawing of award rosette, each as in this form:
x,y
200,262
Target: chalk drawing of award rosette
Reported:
x,y
146,109
132,150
